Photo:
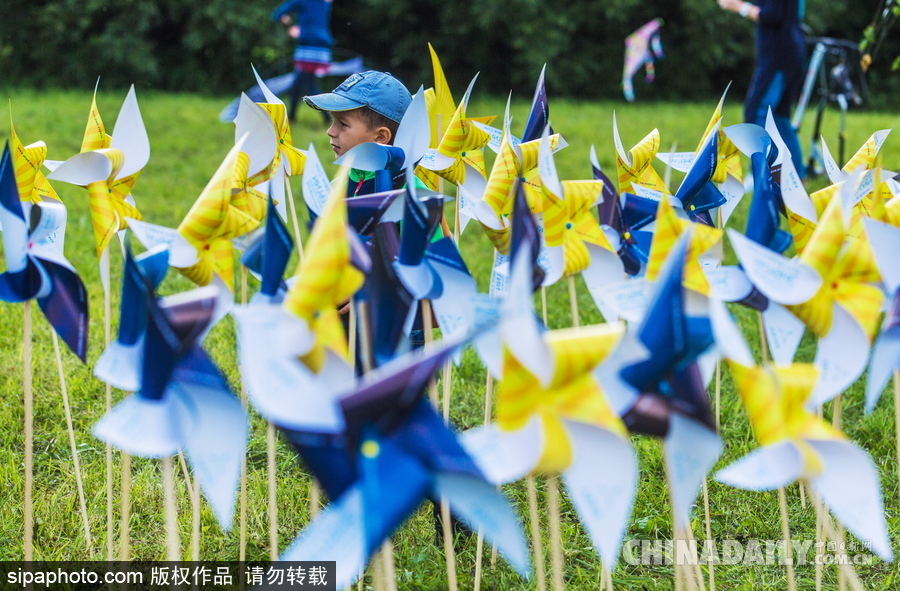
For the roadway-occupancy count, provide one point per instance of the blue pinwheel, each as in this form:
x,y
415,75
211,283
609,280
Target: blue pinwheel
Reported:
x,y
268,254
395,452
655,383
767,203
36,267
623,219
184,402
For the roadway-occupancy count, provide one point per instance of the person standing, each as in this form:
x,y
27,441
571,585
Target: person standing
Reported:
x,y
310,26
780,62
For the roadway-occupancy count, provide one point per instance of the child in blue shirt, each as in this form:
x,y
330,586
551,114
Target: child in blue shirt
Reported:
x,y
311,27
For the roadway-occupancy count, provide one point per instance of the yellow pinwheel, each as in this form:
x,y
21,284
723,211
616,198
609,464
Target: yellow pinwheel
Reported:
x,y
795,444
214,220
636,167
843,279
27,161
669,227
326,279
108,167
567,218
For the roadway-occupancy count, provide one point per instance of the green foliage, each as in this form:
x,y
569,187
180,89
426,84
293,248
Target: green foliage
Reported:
x,y
208,46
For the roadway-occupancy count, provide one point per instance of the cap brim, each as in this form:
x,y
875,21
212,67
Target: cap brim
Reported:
x,y
331,102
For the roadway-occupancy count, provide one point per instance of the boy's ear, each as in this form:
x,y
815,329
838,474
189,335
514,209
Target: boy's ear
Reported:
x,y
383,135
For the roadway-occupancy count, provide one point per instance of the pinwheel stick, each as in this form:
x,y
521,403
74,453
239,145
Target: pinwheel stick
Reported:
x,y
107,335
69,427
488,397
125,505
538,546
273,497
428,326
786,536
242,548
29,431
897,412
173,553
845,566
556,554
294,221
710,565
573,302
194,491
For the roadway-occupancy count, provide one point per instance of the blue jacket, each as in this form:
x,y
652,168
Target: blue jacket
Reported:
x,y
313,17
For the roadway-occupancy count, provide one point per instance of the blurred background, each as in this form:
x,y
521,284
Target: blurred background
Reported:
x,y
206,46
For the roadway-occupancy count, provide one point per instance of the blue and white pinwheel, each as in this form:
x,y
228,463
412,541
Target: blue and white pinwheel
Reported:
x,y
395,452
36,267
184,402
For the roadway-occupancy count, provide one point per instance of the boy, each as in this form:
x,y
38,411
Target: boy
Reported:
x,y
366,107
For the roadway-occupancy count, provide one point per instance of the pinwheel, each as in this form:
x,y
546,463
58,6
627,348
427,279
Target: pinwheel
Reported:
x,y
669,227
256,129
201,247
395,452
184,402
795,444
625,217
824,290
636,167
515,164
271,340
288,160
27,161
441,108
641,48
885,242
459,155
108,168
654,382
36,267
552,416
726,186
327,279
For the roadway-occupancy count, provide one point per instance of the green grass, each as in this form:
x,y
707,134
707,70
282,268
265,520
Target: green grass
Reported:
x,y
188,143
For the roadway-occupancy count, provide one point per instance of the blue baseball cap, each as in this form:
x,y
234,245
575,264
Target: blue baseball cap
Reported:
x,y
379,91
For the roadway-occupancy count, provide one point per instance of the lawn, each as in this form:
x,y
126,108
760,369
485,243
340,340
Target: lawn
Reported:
x,y
188,143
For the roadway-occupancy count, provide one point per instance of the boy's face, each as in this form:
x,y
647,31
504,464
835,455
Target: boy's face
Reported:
x,y
347,130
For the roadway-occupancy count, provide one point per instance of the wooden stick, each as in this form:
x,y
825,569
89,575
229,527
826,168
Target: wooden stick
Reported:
x,y
763,342
28,395
697,576
107,326
573,302
897,415
125,508
383,576
488,399
448,375
710,563
428,326
544,305
173,554
293,207
536,535
273,496
718,393
556,554
194,491
786,535
449,550
242,499
72,445
844,565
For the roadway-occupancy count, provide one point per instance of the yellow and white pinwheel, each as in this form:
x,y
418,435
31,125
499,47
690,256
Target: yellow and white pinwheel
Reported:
x,y
326,279
108,167
213,221
27,161
567,219
636,167
669,227
795,444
